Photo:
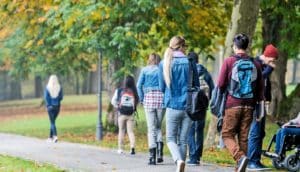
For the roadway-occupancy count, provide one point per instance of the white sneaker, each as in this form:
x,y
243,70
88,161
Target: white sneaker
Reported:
x,y
120,151
180,166
55,139
49,140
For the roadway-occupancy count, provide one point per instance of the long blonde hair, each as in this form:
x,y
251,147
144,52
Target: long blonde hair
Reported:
x,y
175,44
53,86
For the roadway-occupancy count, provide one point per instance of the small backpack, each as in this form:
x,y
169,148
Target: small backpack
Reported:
x,y
243,78
126,101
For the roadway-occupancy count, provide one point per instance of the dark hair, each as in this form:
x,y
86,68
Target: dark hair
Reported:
x,y
194,56
241,41
129,83
153,59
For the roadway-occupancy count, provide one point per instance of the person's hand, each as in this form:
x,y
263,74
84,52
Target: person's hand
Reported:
x,y
272,64
285,125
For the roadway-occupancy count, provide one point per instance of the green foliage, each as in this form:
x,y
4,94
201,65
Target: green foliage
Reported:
x,y
288,12
65,36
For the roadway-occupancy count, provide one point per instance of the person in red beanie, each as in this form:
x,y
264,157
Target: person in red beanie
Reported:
x,y
257,129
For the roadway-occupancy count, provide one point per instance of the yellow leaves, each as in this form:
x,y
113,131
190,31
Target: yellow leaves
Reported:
x,y
5,32
6,64
161,11
96,15
41,19
28,44
40,42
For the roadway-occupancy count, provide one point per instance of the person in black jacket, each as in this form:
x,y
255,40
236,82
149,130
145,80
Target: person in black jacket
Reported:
x,y
196,132
257,129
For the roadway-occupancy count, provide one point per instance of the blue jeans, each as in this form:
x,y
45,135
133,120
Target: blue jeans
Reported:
x,y
177,127
255,140
53,113
154,118
195,140
280,137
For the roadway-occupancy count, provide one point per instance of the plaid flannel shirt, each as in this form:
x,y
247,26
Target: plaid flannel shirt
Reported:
x,y
153,100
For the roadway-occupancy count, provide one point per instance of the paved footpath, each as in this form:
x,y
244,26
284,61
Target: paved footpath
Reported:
x,y
80,157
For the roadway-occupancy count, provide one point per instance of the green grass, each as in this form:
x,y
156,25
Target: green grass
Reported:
x,y
289,89
81,127
11,164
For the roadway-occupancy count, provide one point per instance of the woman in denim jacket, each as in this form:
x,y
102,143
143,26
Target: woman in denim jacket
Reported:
x,y
53,95
173,82
152,98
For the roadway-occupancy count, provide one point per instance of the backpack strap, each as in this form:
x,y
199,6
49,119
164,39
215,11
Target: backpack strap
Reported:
x,y
119,94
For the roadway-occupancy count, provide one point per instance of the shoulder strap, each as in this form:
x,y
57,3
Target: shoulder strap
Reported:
x,y
119,94
191,74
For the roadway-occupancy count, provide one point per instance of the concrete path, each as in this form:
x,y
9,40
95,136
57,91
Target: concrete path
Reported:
x,y
79,157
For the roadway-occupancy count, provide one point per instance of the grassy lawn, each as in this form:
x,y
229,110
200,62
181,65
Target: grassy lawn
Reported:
x,y
16,165
80,126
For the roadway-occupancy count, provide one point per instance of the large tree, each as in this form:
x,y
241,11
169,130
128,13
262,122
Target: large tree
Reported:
x,y
281,27
243,20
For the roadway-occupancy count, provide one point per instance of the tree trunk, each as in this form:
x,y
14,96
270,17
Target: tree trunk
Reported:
x,y
15,90
3,85
77,84
272,26
243,20
38,87
290,106
93,78
85,83
111,84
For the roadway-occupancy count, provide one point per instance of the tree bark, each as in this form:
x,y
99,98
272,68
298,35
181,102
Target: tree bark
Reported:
x,y
93,78
272,26
243,20
38,86
112,84
15,89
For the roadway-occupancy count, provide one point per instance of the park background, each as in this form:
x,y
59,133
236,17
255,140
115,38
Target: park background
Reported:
x,y
71,38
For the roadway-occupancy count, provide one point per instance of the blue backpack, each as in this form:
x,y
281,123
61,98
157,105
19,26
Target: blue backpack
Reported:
x,y
243,78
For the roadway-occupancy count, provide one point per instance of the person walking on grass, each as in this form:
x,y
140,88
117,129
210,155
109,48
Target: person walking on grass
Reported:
x,y
152,98
53,95
125,99
173,82
241,76
257,129
196,132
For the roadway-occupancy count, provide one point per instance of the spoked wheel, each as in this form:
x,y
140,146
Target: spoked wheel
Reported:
x,y
277,163
292,163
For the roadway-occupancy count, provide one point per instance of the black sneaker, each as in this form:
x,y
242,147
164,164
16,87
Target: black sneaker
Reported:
x,y
132,152
242,164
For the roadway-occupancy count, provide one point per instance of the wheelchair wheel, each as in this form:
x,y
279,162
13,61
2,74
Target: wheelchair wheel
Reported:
x,y
277,163
292,163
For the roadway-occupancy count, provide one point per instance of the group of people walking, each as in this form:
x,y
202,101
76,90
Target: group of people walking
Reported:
x,y
162,89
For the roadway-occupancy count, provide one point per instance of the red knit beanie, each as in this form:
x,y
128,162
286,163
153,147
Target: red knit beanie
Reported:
x,y
271,51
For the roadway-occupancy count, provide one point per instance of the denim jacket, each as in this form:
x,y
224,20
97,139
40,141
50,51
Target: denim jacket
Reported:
x,y
148,81
175,96
52,101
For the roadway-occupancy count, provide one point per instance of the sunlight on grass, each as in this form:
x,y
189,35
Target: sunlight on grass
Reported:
x,y
11,164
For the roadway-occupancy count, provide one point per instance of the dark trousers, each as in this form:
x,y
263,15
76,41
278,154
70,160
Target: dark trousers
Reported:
x,y
236,122
255,140
195,140
53,112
